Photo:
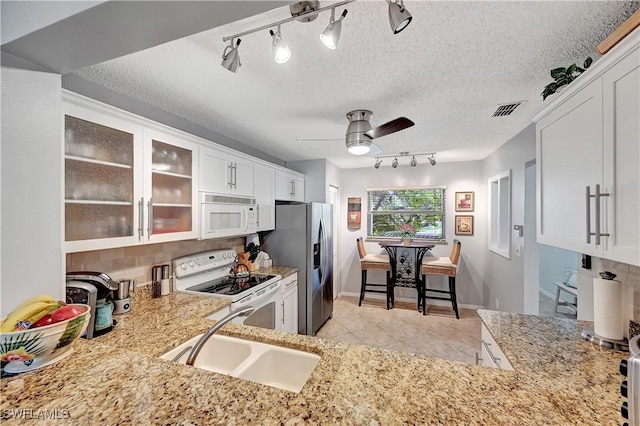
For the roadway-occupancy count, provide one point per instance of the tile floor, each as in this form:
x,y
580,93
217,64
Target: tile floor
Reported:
x,y
405,329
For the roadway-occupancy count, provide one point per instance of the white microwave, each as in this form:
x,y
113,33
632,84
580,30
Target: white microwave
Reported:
x,y
223,216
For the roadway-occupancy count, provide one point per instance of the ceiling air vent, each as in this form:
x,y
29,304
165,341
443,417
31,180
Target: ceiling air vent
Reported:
x,y
506,109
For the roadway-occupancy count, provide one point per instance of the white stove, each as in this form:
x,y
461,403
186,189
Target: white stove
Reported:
x,y
209,274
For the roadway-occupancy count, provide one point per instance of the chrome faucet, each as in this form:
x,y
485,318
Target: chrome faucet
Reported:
x,y
247,310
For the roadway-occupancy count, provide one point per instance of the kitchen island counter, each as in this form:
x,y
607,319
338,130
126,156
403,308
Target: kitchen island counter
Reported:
x,y
118,378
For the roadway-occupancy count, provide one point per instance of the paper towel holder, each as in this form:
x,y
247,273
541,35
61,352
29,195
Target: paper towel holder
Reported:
x,y
616,345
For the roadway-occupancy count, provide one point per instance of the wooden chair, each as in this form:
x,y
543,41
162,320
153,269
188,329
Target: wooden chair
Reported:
x,y
377,262
441,266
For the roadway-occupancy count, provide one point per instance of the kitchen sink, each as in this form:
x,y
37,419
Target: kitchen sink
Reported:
x,y
221,354
270,365
281,368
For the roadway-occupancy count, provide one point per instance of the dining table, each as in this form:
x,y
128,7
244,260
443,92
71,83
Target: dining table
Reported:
x,y
421,248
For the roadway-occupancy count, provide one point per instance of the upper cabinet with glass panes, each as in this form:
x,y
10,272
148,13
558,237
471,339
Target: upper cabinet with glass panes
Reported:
x,y
125,183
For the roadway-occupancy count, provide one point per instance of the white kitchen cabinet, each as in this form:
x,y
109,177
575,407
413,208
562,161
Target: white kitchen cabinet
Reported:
x,y
222,172
289,186
588,141
492,356
125,184
264,191
287,317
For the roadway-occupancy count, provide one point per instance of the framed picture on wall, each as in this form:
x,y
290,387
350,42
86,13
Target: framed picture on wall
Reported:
x,y
354,213
465,201
464,225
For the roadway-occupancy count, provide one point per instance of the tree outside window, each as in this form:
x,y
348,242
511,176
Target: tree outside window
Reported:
x,y
393,211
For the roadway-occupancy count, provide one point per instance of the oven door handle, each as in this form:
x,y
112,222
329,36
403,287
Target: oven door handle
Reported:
x,y
257,301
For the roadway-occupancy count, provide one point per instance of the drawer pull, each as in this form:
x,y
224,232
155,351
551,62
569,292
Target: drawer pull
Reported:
x,y
487,346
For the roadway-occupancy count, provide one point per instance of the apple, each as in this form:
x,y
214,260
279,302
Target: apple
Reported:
x,y
65,312
45,320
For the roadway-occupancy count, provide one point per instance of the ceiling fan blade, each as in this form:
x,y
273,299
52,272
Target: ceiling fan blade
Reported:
x,y
374,150
392,126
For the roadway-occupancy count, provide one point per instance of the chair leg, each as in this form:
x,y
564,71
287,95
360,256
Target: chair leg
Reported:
x,y
363,283
423,295
454,299
389,290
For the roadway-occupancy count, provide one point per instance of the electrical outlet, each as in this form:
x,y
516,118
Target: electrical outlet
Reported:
x,y
497,303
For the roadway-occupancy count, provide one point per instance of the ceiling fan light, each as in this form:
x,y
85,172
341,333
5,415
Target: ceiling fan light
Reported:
x,y
231,59
399,16
281,52
359,149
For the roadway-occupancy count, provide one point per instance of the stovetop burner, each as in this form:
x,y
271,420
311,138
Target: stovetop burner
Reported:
x,y
230,285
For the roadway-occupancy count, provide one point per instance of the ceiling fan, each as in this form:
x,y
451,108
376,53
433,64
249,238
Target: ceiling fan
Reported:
x,y
360,134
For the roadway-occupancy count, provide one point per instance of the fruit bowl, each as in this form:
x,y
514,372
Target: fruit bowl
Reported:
x,y
35,348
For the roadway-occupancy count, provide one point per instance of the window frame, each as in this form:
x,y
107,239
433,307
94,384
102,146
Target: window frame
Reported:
x,y
442,212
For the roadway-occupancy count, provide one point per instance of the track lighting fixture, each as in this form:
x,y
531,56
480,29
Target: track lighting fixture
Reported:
x,y
331,35
281,52
399,16
231,59
413,162
307,11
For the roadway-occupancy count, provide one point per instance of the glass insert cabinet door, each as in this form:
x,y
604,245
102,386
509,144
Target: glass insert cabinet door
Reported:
x,y
170,208
99,180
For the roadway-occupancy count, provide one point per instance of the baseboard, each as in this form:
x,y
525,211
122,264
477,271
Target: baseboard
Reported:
x,y
546,293
411,300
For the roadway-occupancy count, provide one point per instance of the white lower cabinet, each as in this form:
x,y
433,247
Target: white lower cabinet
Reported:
x,y
287,317
492,356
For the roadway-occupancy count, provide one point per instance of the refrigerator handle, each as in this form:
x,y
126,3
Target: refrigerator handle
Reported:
x,y
323,255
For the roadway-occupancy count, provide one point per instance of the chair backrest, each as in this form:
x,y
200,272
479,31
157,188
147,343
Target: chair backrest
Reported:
x,y
455,252
361,250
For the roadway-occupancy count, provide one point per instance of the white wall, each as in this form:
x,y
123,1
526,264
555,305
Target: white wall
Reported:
x,y
504,278
30,186
553,260
461,176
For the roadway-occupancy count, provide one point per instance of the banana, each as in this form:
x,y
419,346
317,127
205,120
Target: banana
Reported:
x,y
21,319
34,299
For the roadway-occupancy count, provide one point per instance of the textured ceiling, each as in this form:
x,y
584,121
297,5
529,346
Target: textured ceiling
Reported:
x,y
447,71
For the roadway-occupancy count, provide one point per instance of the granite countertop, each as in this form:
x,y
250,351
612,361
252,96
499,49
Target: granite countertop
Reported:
x,y
118,378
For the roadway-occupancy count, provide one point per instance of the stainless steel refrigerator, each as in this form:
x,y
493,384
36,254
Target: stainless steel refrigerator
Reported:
x,y
303,239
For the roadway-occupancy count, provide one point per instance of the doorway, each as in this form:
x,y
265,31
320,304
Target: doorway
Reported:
x,y
531,255
335,200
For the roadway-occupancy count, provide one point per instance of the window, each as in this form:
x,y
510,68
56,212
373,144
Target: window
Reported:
x,y
500,214
390,210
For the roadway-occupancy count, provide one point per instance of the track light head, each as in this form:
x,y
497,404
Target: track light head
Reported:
x,y
394,163
399,16
331,35
378,162
231,59
281,52
432,160
413,161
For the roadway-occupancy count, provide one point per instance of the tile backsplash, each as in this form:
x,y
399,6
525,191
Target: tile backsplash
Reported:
x,y
630,275
136,262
